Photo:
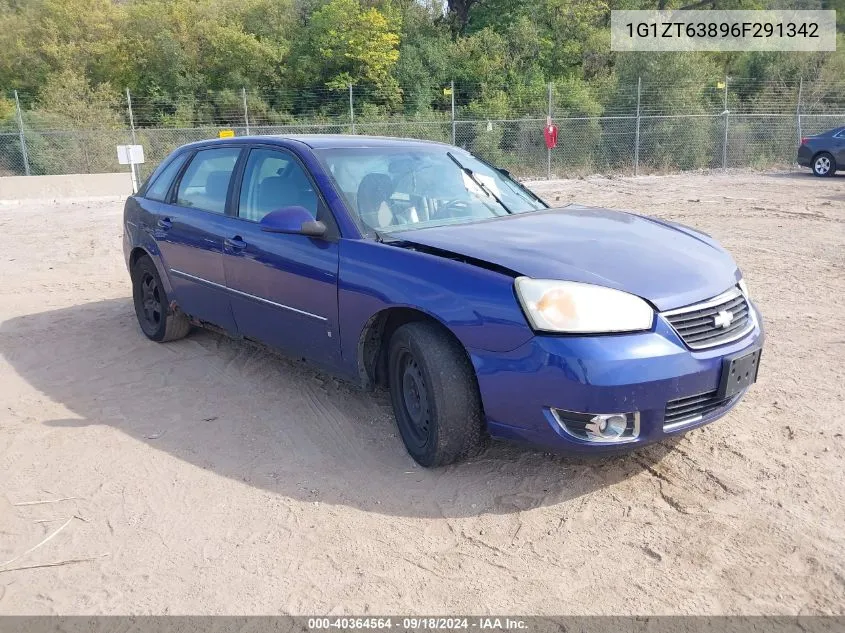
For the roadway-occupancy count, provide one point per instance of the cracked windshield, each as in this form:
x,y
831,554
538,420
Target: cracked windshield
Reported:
x,y
406,189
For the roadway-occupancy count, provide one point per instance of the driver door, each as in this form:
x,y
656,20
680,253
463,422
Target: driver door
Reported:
x,y
283,287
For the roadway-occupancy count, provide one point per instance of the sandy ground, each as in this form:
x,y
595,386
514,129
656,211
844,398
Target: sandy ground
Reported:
x,y
206,476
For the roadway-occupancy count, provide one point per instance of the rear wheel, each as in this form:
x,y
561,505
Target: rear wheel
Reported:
x,y
824,165
434,395
157,320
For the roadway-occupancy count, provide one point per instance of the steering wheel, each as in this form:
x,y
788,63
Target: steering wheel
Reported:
x,y
452,209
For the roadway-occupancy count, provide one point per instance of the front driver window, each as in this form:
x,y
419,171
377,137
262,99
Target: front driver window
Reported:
x,y
274,180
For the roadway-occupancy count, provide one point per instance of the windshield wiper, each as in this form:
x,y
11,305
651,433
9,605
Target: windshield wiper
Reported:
x,y
518,187
383,237
478,182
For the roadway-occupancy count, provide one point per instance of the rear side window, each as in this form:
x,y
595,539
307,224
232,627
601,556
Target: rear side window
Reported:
x,y
206,180
161,185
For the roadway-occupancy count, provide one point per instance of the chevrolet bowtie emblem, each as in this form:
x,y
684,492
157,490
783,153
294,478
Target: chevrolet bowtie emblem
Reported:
x,y
723,319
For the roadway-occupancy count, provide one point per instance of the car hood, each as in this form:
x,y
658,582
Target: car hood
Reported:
x,y
668,264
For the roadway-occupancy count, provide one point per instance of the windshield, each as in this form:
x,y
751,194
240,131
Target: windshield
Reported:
x,y
401,188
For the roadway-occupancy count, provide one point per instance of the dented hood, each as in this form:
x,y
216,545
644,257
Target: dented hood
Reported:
x,y
668,264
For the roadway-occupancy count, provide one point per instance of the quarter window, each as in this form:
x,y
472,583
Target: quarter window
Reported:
x,y
161,185
205,183
274,180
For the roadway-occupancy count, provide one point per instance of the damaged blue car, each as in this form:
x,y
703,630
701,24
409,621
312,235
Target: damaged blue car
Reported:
x,y
415,265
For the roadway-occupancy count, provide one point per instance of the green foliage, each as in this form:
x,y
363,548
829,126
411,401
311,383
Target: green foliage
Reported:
x,y
187,61
72,103
399,54
42,37
345,44
423,68
69,102
7,112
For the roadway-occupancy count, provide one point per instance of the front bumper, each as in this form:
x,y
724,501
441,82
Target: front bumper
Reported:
x,y
637,372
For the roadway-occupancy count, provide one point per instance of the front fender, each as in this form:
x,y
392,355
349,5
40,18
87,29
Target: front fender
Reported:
x,y
476,304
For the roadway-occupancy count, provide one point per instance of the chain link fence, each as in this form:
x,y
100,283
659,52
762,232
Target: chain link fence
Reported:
x,y
627,129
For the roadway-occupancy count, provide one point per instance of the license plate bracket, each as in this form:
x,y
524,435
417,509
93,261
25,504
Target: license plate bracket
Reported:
x,y
739,372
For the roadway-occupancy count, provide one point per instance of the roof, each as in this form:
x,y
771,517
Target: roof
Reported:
x,y
355,140
321,141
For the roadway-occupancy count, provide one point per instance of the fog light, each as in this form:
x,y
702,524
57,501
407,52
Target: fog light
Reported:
x,y
607,427
602,427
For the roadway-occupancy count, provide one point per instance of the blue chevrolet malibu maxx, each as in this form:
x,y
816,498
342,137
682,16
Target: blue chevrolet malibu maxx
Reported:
x,y
417,266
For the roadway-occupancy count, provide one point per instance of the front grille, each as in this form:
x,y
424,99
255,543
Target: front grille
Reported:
x,y
692,408
707,324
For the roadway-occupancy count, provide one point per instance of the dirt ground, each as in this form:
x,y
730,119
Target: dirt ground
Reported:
x,y
207,476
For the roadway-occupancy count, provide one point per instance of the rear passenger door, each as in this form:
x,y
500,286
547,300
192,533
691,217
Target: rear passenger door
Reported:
x,y
190,230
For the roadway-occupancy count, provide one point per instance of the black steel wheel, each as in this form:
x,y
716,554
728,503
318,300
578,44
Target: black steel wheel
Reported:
x,y
152,308
151,302
434,394
415,405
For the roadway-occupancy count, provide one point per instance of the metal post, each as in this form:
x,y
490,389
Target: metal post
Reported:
x,y
246,110
452,92
131,116
637,134
548,150
351,110
134,141
24,153
727,115
798,110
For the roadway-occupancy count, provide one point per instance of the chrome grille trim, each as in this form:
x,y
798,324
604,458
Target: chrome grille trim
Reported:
x,y
695,324
684,411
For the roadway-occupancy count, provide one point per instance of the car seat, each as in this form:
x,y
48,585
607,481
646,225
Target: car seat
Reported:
x,y
216,190
373,195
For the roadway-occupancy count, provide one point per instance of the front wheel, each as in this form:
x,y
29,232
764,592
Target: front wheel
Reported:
x,y
824,165
434,395
157,320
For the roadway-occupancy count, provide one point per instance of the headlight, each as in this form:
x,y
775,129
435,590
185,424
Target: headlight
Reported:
x,y
743,287
568,306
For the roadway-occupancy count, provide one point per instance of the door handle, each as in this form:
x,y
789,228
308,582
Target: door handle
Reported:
x,y
235,243
164,223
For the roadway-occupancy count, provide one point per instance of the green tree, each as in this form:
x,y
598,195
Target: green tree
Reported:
x,y
345,43
69,102
423,67
672,83
41,37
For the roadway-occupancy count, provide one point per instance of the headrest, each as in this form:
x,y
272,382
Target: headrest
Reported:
x,y
217,184
372,191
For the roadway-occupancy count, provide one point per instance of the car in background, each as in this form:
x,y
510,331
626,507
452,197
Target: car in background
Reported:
x,y
417,266
823,153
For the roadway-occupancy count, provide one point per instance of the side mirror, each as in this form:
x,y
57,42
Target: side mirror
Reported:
x,y
296,220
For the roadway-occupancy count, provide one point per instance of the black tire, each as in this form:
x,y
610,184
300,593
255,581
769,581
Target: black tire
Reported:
x,y
824,165
434,395
152,307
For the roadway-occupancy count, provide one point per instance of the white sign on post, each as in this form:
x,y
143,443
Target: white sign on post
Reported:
x,y
131,155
